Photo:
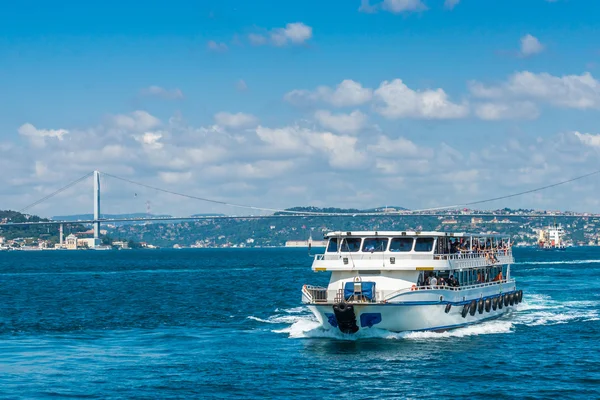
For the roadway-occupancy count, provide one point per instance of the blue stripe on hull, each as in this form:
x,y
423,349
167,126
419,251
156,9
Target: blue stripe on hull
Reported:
x,y
448,327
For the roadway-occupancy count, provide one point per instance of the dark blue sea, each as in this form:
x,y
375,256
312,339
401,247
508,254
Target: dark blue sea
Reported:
x,y
220,324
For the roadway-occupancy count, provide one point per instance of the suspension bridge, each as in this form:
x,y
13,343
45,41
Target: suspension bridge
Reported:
x,y
97,220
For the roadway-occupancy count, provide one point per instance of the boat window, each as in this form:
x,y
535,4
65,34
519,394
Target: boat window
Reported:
x,y
401,244
351,244
424,244
375,244
332,246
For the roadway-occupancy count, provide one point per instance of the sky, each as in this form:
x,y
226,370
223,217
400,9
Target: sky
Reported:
x,y
276,104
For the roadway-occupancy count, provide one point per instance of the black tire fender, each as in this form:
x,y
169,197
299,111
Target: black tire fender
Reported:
x,y
473,307
465,311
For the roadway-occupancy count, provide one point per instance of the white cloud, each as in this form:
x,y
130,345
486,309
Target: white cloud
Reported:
x,y
135,121
150,139
238,120
172,94
256,39
295,33
396,100
206,154
398,6
37,136
218,47
570,91
348,93
289,165
343,123
399,147
286,139
588,139
530,45
174,177
45,173
340,150
515,110
450,4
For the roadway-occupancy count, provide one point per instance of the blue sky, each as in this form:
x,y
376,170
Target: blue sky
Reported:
x,y
417,103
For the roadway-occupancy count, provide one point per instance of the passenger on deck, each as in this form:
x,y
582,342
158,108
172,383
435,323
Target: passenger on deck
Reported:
x,y
499,276
432,280
454,281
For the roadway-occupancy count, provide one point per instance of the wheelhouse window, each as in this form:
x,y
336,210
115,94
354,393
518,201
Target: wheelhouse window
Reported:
x,y
351,245
424,244
401,244
332,246
375,244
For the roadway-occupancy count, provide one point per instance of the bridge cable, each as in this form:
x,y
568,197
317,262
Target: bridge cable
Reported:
x,y
62,189
218,201
510,195
362,214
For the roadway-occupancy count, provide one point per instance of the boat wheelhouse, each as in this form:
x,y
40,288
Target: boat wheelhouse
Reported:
x,y
411,281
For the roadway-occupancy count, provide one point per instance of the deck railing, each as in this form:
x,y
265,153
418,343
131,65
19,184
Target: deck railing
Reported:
x,y
317,294
474,254
357,256
355,298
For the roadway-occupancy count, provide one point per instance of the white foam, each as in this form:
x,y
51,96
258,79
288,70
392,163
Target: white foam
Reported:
x,y
307,328
550,318
294,310
483,328
558,262
278,319
535,310
539,310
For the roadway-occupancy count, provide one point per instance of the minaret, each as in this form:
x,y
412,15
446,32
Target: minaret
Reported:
x,y
96,208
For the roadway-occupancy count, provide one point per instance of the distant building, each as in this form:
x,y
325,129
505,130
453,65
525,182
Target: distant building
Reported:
x,y
121,243
475,221
71,242
87,242
449,221
2,240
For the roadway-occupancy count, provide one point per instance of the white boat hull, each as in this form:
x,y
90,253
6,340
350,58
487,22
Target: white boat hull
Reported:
x,y
419,311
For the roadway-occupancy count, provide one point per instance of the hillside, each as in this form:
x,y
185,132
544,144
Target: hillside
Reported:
x,y
277,230
45,232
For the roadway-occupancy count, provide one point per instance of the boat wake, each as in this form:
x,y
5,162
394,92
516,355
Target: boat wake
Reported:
x,y
535,310
558,262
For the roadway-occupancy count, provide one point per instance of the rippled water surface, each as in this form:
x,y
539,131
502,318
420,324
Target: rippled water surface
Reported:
x,y
229,324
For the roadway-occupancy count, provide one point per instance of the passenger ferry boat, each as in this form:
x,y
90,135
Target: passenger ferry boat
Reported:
x,y
412,281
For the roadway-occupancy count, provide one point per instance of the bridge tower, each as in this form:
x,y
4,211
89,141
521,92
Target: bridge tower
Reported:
x,y
96,208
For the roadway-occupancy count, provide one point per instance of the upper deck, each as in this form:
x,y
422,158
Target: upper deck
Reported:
x,y
412,250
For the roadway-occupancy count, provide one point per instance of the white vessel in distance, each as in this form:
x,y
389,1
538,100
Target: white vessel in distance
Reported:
x,y
551,238
412,281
